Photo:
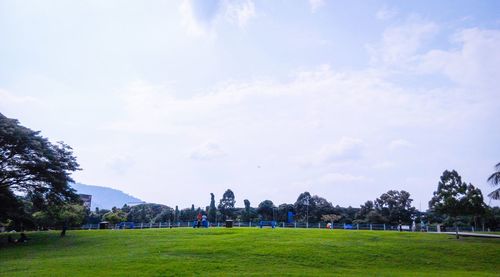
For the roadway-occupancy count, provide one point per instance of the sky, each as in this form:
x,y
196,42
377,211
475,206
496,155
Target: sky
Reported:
x,y
172,100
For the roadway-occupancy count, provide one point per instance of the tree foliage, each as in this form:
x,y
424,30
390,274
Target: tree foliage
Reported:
x,y
248,213
266,210
58,216
394,207
30,164
303,205
149,213
226,204
450,198
455,198
212,211
494,179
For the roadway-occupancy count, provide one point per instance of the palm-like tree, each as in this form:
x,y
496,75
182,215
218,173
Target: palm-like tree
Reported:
x,y
494,179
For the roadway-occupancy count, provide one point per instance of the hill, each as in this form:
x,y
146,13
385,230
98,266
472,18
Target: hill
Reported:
x,y
248,251
104,197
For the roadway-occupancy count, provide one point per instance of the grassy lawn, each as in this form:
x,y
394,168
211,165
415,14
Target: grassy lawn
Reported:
x,y
248,251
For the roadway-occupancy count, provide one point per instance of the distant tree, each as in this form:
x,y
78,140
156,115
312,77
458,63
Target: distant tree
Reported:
x,y
283,210
187,215
455,198
60,216
330,218
30,164
364,210
149,213
176,215
375,217
247,205
303,205
226,204
266,209
245,214
320,207
494,179
114,217
348,214
125,208
395,206
311,208
475,203
212,212
166,215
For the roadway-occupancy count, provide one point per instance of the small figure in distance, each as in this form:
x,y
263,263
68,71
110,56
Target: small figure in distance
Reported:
x,y
204,222
22,238
64,228
199,217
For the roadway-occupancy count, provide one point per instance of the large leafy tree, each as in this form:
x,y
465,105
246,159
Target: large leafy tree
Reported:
x,y
226,204
67,214
494,179
149,213
475,203
365,209
455,198
266,210
395,206
321,207
248,213
283,210
30,164
303,206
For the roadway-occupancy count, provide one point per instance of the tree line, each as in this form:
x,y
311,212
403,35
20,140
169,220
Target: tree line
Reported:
x,y
34,194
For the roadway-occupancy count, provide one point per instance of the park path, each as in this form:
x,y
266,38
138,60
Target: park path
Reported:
x,y
466,234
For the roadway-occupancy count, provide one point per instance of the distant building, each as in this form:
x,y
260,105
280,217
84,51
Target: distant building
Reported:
x,y
87,200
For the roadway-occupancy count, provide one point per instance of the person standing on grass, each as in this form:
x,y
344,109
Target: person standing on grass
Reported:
x,y
199,219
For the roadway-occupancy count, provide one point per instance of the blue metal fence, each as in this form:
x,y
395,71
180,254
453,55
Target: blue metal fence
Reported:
x,y
334,226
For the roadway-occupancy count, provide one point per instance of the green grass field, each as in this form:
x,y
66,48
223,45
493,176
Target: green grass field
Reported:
x,y
248,251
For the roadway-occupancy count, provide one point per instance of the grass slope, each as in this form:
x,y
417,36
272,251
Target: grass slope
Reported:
x,y
252,251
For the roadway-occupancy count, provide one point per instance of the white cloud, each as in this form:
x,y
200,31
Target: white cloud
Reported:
x,y
384,165
240,12
207,151
9,98
400,44
120,164
400,143
474,63
340,178
345,149
386,13
316,4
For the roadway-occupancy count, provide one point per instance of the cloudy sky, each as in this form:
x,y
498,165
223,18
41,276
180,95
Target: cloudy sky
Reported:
x,y
172,100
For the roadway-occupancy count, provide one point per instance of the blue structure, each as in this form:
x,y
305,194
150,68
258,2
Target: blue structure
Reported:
x,y
267,223
290,217
126,225
347,226
204,224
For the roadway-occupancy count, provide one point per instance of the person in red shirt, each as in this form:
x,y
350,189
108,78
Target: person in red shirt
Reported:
x,y
199,219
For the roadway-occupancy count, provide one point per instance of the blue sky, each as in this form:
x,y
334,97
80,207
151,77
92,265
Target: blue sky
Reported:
x,y
172,100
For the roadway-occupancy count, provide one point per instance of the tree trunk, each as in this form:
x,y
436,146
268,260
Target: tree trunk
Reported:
x,y
456,229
